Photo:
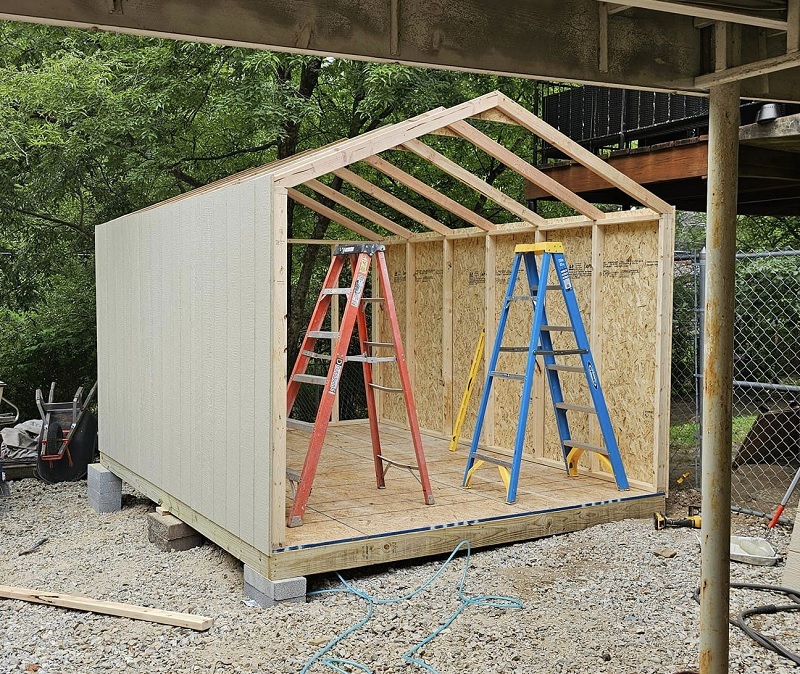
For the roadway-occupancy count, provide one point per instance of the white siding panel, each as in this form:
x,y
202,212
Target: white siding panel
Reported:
x,y
233,374
184,352
218,438
263,364
247,336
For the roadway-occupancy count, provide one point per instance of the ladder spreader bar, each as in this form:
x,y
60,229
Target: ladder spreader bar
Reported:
x,y
507,375
388,389
561,352
372,359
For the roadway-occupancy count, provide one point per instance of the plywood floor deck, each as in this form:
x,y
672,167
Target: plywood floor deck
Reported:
x,y
345,504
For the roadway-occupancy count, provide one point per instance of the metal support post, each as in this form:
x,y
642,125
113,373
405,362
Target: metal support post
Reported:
x,y
723,149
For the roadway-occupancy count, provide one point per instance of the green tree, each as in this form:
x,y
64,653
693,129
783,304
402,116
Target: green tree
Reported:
x,y
97,125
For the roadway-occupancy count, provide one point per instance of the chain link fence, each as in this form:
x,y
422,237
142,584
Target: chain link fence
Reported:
x,y
766,373
766,393
685,408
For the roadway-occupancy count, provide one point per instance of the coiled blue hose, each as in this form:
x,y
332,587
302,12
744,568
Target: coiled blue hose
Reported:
x,y
409,657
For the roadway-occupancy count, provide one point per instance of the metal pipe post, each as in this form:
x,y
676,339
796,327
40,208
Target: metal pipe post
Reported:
x,y
723,151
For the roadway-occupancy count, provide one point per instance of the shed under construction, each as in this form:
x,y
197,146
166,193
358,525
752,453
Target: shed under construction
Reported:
x,y
192,352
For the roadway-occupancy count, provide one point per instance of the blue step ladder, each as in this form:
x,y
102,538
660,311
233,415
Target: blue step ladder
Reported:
x,y
541,344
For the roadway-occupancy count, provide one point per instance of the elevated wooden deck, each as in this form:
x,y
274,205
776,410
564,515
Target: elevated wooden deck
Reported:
x,y
349,522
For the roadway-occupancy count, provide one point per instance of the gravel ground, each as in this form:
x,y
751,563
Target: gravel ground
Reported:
x,y
595,601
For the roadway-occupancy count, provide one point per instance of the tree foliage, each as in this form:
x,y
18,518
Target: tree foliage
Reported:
x,y
96,125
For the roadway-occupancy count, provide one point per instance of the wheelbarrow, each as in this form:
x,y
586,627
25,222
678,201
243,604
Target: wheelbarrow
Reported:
x,y
68,440
7,418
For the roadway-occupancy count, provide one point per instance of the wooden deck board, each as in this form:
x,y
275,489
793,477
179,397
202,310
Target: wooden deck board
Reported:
x,y
348,513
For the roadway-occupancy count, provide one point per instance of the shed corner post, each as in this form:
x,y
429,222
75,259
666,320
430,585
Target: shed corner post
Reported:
x,y
723,149
666,271
278,355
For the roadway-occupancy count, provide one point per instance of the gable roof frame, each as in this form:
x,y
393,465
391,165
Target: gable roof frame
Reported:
x,y
335,159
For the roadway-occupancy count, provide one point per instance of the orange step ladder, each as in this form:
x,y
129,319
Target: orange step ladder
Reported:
x,y
360,257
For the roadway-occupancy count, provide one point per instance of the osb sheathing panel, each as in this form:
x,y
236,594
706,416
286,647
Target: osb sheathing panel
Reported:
x,y
578,253
427,316
517,333
393,404
469,283
630,285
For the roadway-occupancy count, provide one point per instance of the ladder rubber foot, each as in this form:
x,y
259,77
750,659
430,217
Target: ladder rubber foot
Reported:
x,y
429,500
295,522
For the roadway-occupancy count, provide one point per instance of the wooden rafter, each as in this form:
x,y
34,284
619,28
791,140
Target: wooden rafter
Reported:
x,y
354,149
448,166
526,170
364,211
391,200
580,154
338,218
432,195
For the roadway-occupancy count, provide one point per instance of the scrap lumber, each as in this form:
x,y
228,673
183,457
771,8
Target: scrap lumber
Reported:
x,y
154,615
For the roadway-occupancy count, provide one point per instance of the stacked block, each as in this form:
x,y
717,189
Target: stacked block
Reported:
x,y
170,534
268,592
104,489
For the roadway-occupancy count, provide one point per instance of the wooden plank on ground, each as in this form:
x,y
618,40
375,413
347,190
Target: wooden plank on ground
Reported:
x,y
153,615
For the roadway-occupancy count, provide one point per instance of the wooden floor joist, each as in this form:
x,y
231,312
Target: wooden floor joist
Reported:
x,y
153,615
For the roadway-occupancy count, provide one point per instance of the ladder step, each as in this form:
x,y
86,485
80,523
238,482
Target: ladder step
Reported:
x,y
335,291
514,349
322,334
380,344
492,459
314,354
561,352
551,287
372,359
558,328
388,389
507,375
522,298
565,368
310,379
373,299
586,446
572,407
